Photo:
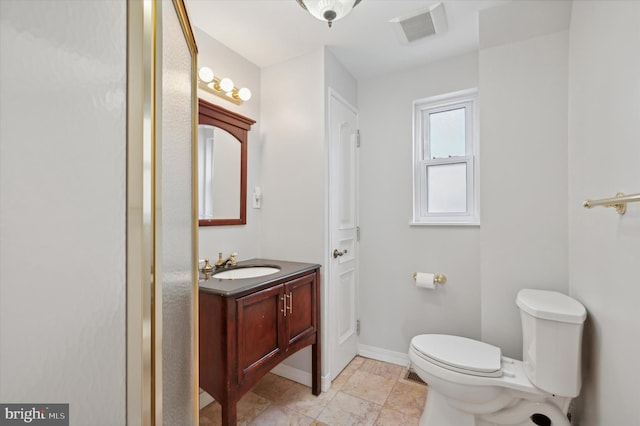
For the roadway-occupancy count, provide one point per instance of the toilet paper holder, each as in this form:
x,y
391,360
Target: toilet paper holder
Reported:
x,y
437,278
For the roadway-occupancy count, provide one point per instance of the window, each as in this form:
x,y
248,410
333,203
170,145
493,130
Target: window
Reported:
x,y
445,178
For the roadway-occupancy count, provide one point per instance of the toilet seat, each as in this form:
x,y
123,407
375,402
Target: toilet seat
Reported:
x,y
460,354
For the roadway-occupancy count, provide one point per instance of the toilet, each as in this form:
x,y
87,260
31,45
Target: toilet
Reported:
x,y
472,384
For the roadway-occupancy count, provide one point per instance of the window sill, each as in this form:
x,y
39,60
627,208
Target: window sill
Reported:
x,y
445,223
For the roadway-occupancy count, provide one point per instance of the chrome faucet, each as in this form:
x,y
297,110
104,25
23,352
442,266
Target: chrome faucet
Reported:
x,y
230,261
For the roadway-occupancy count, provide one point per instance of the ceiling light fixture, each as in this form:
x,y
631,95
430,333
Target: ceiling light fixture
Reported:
x,y
222,87
328,10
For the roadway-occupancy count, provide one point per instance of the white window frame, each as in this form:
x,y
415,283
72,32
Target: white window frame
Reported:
x,y
421,161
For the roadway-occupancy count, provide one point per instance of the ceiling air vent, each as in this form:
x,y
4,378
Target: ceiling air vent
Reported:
x,y
420,24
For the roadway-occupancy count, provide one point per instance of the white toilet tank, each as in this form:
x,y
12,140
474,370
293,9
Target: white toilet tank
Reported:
x,y
552,340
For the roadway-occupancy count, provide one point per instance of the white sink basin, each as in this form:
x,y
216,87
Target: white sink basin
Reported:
x,y
246,272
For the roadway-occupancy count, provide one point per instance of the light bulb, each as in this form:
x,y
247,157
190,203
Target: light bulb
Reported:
x,y
226,84
244,94
206,74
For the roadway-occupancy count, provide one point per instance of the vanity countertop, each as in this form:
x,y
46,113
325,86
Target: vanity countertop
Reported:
x,y
237,287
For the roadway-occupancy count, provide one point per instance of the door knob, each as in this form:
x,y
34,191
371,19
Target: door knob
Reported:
x,y
337,253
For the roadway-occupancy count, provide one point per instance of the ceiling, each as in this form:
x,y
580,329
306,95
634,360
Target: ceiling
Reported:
x,y
267,32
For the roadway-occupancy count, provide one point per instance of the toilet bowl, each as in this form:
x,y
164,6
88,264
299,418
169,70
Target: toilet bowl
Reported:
x,y
472,384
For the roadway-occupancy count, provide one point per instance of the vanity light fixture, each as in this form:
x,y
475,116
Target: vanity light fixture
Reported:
x,y
222,87
328,10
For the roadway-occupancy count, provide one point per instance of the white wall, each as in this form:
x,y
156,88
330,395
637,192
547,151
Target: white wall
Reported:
x,y
523,144
293,166
392,308
62,206
604,248
292,138
242,239
340,80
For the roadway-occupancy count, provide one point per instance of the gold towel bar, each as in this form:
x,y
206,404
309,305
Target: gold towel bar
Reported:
x,y
619,202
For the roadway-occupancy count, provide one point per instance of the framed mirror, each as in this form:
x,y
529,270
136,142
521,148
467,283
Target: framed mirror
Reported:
x,y
222,165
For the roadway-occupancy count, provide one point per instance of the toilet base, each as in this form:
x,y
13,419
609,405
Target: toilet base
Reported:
x,y
438,412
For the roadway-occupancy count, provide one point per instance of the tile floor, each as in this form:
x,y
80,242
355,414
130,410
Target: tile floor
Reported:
x,y
367,392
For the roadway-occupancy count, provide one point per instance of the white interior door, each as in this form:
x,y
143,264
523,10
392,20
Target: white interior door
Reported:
x,y
343,223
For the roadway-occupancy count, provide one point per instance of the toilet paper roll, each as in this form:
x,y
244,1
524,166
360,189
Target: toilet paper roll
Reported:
x,y
425,280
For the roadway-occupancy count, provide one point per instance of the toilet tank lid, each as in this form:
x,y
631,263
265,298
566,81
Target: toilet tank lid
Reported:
x,y
551,305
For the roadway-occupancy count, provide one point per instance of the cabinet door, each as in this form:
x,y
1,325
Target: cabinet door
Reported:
x,y
261,334
301,314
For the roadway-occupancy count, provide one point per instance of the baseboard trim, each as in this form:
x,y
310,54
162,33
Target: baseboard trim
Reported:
x,y
204,399
304,377
392,357
300,376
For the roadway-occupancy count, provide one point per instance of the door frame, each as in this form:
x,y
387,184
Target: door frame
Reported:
x,y
328,320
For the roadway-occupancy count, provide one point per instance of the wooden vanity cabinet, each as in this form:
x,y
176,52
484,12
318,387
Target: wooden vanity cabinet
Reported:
x,y
242,337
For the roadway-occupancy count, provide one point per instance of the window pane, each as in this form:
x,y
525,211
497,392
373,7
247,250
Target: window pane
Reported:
x,y
447,133
447,188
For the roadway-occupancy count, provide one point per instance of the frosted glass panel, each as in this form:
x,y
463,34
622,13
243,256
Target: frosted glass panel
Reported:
x,y
447,133
177,252
447,188
63,207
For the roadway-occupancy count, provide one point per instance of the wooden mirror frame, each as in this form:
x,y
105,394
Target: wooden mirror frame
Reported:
x,y
238,126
